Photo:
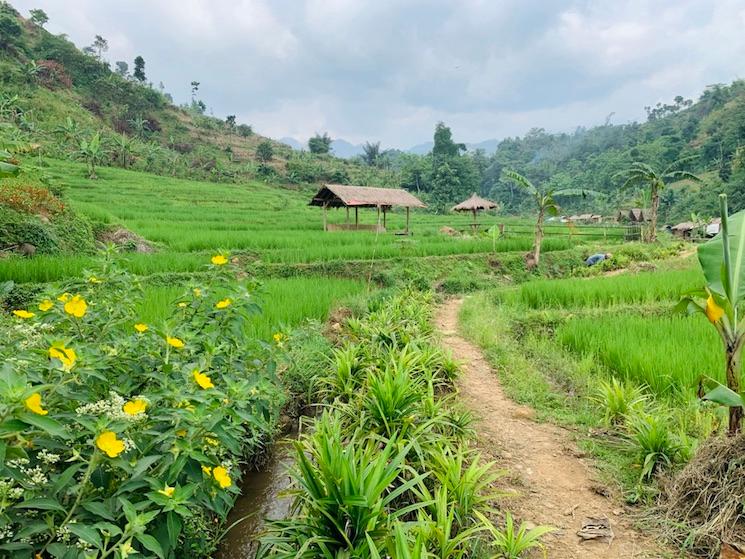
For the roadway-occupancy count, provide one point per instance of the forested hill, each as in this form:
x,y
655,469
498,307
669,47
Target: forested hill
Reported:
x,y
63,101
712,129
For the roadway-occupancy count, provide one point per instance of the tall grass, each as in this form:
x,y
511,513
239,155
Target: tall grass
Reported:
x,y
642,288
284,302
668,354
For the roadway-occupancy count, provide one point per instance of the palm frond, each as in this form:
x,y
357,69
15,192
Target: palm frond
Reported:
x,y
584,192
684,175
677,163
520,181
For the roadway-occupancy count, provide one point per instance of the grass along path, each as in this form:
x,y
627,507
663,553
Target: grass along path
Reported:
x,y
553,485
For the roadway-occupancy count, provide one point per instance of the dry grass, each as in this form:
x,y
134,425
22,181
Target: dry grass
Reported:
x,y
704,503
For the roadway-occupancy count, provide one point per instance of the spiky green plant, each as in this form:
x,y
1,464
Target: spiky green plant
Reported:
x,y
512,542
618,400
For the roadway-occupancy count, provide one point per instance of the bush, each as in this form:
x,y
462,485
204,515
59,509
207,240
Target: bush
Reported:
x,y
121,437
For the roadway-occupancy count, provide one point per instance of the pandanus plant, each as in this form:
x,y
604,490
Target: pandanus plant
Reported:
x,y
722,260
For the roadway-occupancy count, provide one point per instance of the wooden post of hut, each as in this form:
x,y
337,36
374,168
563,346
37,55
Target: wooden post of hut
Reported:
x,y
474,204
407,220
325,218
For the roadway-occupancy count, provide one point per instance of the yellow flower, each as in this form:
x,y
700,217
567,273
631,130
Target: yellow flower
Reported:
x,y
45,305
207,470
76,306
109,444
175,342
713,311
63,354
140,327
181,433
21,313
197,292
94,279
182,304
65,297
167,491
219,260
221,476
135,407
223,304
33,403
202,380
279,337
210,441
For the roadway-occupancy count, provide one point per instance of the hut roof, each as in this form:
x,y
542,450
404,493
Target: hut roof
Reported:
x,y
684,226
341,195
474,203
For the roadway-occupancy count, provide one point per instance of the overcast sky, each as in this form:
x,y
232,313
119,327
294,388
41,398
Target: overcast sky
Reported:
x,y
388,70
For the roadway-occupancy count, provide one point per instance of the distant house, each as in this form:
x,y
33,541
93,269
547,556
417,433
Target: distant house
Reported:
x,y
713,227
634,215
684,229
586,218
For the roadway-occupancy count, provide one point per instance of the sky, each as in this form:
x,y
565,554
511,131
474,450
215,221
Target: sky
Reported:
x,y
389,70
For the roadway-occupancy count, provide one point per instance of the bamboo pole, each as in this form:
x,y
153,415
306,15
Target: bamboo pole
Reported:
x,y
325,225
407,220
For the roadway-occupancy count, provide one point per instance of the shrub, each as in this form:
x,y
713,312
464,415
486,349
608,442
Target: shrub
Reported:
x,y
618,400
121,437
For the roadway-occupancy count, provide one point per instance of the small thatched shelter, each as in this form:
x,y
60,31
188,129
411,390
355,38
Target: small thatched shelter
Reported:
x,y
348,196
635,215
474,205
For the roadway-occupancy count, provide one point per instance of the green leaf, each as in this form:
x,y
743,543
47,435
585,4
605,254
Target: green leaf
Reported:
x,y
41,503
725,396
86,533
151,544
44,423
711,257
99,509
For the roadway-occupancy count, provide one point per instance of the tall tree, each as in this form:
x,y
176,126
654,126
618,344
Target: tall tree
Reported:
x,y
230,122
122,68
444,146
545,202
641,174
39,17
371,153
194,89
139,71
320,144
100,46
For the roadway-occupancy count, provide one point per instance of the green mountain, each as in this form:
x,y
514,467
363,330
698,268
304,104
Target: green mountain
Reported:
x,y
55,97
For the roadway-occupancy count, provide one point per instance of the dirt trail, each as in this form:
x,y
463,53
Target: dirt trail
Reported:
x,y
554,485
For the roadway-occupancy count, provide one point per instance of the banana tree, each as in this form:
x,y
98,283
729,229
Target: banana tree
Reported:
x,y
92,152
641,174
546,204
722,260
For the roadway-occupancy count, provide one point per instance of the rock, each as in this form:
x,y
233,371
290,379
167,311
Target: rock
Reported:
x,y
595,528
26,249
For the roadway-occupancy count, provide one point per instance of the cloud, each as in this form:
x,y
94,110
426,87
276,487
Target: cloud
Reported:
x,y
390,69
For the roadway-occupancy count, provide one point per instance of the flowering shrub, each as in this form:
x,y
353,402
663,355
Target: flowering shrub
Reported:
x,y
122,438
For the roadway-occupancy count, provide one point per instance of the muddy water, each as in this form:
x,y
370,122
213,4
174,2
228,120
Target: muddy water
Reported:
x,y
260,498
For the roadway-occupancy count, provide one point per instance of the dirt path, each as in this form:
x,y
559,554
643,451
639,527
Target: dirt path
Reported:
x,y
554,485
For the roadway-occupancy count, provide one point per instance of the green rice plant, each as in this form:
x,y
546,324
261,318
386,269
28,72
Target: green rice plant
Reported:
x,y
618,400
468,482
513,542
601,292
342,495
667,354
400,546
651,439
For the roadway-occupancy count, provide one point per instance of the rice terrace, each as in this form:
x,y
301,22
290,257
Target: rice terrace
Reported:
x,y
258,299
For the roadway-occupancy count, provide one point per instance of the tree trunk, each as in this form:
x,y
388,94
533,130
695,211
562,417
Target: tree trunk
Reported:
x,y
734,369
538,237
655,207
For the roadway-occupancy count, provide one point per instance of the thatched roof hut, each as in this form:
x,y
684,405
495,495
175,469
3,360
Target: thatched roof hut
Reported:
x,y
474,204
348,196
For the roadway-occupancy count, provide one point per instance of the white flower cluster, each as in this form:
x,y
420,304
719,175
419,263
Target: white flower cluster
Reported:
x,y
6,533
18,463
48,457
111,408
9,491
36,475
63,534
